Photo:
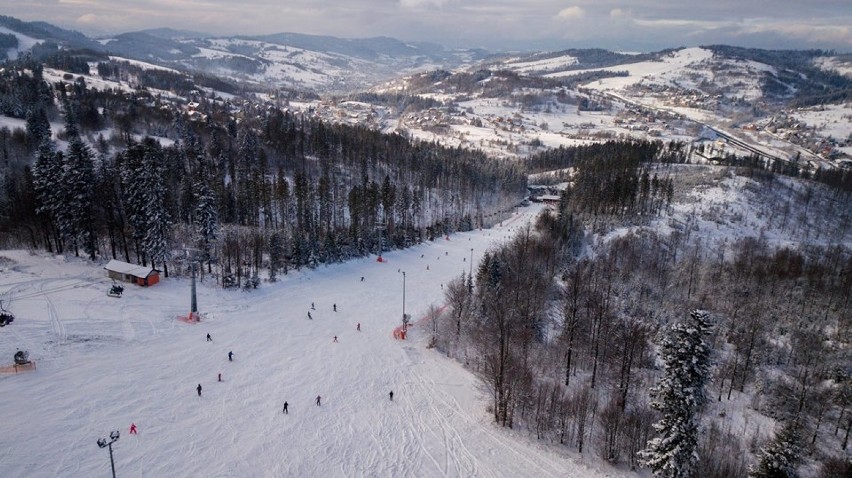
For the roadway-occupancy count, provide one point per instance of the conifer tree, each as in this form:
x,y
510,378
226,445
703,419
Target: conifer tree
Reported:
x,y
206,220
276,255
779,458
78,190
157,217
47,176
679,396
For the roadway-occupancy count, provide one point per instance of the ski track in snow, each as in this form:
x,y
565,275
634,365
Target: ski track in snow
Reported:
x,y
104,363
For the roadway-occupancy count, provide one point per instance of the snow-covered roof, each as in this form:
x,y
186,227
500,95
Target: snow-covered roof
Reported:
x,y
127,268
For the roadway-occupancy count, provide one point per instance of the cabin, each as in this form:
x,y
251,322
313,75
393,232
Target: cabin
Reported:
x,y
135,274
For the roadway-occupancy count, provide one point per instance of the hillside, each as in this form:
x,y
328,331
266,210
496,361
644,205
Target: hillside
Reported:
x,y
104,363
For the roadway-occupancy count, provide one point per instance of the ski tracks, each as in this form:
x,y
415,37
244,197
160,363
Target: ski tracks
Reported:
x,y
434,416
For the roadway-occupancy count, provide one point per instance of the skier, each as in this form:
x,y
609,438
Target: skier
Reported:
x,y
335,339
220,377
209,339
312,306
391,395
358,327
285,408
198,389
133,429
335,307
427,268
318,400
230,356
309,316
362,278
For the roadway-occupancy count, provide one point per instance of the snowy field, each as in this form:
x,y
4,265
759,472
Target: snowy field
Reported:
x,y
104,363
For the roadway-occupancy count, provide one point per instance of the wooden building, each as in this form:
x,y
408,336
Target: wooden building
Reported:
x,y
125,272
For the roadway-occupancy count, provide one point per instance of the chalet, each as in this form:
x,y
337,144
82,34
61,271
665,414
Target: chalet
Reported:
x,y
139,275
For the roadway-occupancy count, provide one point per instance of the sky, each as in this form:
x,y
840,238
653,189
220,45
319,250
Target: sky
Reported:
x,y
636,25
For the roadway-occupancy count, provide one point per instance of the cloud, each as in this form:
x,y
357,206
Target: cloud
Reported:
x,y
571,13
540,24
413,4
619,13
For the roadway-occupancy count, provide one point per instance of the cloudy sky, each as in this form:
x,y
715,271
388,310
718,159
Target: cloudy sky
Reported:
x,y
638,25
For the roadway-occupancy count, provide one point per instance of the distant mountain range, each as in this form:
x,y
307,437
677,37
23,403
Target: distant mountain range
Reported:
x,y
329,64
288,60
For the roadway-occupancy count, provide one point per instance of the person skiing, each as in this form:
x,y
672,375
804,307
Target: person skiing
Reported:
x,y
312,306
309,316
285,408
220,377
209,339
358,327
362,278
133,429
198,389
335,339
230,356
391,395
335,307
318,400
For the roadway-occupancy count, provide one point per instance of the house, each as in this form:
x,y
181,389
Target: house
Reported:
x,y
139,275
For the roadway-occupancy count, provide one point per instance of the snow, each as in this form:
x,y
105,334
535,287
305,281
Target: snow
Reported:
x,y
542,66
834,64
829,120
143,65
636,71
24,43
17,123
127,268
104,363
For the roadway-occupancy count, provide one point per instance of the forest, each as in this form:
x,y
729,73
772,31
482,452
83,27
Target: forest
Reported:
x,y
666,350
243,190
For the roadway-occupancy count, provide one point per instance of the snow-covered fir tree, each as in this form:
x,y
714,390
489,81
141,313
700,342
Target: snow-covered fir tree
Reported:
x,y
679,396
276,255
78,185
47,176
159,222
131,164
778,459
206,220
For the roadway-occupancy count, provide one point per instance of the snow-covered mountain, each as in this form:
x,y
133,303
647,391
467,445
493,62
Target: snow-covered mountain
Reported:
x,y
285,60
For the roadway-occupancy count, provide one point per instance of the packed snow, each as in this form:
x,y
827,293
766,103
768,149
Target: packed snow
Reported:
x,y
106,363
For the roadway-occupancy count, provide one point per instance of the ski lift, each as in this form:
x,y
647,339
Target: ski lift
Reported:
x,y
22,357
116,290
6,317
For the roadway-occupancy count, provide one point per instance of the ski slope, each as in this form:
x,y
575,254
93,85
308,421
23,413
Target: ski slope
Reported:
x,y
104,363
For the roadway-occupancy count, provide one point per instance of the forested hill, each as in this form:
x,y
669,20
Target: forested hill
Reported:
x,y
252,187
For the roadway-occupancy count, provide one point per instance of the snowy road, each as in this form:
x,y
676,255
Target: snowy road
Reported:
x,y
104,363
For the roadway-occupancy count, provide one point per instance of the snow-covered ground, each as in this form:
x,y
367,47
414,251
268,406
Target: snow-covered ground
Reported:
x,y
829,120
104,363
673,64
542,66
24,43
